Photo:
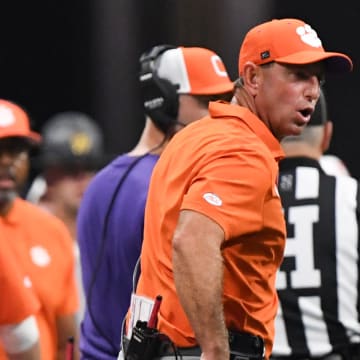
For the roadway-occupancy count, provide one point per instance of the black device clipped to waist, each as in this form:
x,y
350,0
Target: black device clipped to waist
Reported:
x,y
245,346
146,340
144,343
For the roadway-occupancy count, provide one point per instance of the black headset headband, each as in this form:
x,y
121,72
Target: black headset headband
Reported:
x,y
160,98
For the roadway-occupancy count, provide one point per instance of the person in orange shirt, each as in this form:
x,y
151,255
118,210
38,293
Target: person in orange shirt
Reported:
x,y
19,333
40,242
177,83
214,230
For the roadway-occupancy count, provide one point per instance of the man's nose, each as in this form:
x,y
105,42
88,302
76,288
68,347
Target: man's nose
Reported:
x,y
312,92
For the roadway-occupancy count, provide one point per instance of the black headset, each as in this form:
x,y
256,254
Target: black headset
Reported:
x,y
160,97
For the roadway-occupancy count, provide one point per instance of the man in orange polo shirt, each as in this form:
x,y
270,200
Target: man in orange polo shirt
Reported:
x,y
214,228
40,243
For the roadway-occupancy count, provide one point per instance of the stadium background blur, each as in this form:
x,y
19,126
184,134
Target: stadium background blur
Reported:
x,y
83,55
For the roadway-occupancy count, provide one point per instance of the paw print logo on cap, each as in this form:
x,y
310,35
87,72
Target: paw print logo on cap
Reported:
x,y
7,117
309,36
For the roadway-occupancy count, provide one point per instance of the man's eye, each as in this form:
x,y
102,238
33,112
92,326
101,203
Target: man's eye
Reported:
x,y
302,75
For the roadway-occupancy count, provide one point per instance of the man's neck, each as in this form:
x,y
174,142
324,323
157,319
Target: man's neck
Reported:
x,y
151,140
6,205
62,214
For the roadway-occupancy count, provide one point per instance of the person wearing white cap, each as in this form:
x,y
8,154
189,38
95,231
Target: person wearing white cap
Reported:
x,y
214,231
177,84
40,243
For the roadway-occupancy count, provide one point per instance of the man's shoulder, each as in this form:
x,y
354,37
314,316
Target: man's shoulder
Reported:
x,y
37,216
103,176
137,168
310,170
32,210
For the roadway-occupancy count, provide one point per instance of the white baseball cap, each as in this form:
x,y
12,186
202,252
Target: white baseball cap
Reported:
x,y
195,70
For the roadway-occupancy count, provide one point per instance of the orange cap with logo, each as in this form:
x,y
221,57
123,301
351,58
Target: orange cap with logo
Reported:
x,y
14,122
289,41
195,71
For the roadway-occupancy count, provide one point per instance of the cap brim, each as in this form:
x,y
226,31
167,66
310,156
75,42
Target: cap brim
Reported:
x,y
44,160
32,137
334,62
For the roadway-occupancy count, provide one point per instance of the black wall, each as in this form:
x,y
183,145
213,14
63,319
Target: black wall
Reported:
x,y
83,55
44,60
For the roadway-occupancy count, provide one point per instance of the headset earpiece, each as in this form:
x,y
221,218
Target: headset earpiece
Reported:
x,y
160,98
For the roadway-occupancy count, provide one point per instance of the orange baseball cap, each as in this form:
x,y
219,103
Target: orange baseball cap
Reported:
x,y
195,71
289,41
14,122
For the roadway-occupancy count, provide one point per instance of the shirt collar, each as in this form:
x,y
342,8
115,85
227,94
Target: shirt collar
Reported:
x,y
221,109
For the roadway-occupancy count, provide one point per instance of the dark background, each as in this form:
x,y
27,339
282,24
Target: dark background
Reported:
x,y
83,55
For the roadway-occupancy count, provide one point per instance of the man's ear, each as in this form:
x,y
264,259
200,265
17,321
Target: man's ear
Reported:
x,y
251,77
328,131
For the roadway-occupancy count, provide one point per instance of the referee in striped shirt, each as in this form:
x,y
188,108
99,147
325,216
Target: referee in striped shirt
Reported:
x,y
318,282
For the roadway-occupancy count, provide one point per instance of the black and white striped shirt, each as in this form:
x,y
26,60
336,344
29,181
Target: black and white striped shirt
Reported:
x,y
318,282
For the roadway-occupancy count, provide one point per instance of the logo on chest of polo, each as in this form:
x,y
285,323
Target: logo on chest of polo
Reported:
x,y
40,256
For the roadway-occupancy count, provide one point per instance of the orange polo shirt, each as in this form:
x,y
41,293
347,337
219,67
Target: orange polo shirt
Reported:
x,y
44,249
17,300
224,166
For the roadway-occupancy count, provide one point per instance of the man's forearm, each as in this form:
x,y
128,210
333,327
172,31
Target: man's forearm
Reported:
x,y
198,273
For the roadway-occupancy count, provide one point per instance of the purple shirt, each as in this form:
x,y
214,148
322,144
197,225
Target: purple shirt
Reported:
x,y
110,282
